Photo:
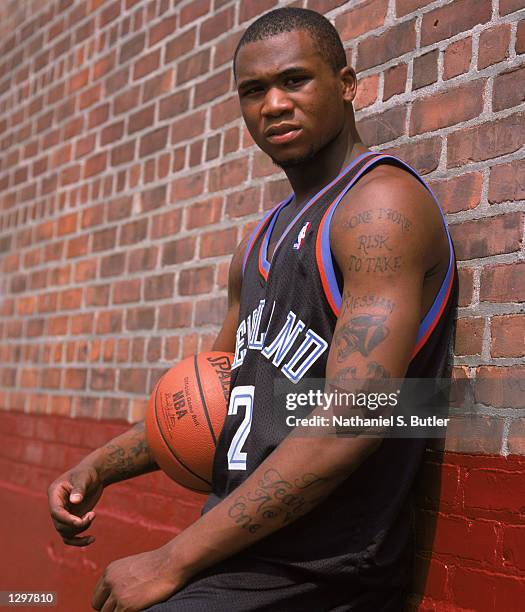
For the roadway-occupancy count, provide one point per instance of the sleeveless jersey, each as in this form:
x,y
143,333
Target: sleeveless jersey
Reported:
x,y
361,533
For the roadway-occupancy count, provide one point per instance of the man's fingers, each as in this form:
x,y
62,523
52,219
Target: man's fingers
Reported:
x,y
84,541
110,605
101,594
69,530
62,516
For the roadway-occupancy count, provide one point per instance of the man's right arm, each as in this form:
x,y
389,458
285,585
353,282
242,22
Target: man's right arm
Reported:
x,y
74,494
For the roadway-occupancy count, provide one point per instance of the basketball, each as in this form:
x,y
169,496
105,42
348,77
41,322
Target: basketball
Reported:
x,y
185,416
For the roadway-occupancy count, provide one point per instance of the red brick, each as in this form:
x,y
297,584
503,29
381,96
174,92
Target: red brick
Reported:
x,y
126,291
159,31
112,132
425,70
133,380
263,165
486,141
175,315
205,212
520,37
228,174
365,17
187,187
457,58
193,66
396,41
225,49
196,280
251,8
383,127
466,286
507,182
194,10
142,119
488,236
109,322
506,93
509,6
503,283
188,127
127,100
453,18
166,224
159,287
430,578
74,379
123,153
469,336
323,6
142,259
146,64
132,47
243,203
153,141
508,336
403,7
180,45
158,85
500,387
447,108
493,45
212,87
178,251
174,105
366,92
474,434
210,312
516,437
394,81
422,155
139,318
459,193
231,140
216,25
102,379
218,242
225,112
153,198
133,232
95,164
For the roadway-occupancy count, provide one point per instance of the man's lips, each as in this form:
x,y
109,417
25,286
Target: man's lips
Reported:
x,y
282,136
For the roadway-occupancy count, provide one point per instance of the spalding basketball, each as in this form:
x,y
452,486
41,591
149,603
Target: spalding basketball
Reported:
x,y
185,416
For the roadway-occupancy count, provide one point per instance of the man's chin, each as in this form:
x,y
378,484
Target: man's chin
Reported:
x,y
293,162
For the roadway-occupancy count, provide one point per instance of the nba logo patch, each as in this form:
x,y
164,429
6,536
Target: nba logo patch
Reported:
x,y
301,236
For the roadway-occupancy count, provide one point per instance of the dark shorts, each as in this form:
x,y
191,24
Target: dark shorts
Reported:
x,y
237,585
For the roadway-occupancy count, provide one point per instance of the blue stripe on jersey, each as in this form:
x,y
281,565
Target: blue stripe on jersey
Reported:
x,y
429,318
312,200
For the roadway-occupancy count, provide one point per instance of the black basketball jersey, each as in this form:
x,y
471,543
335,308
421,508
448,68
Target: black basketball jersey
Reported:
x,y
288,312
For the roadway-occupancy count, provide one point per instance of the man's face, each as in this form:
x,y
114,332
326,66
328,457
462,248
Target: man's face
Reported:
x,y
291,99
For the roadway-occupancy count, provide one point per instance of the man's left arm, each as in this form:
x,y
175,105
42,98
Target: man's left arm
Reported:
x,y
382,264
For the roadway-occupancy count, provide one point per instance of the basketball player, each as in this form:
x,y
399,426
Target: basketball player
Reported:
x,y
351,277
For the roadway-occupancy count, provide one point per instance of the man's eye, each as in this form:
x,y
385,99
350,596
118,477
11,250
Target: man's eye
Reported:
x,y
251,91
296,80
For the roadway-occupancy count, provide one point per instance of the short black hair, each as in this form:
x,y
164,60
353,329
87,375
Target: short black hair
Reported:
x,y
290,19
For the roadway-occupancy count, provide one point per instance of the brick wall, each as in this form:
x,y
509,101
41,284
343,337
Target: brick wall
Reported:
x,y
127,178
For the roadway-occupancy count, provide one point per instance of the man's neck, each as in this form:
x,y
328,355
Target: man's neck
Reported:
x,y
309,178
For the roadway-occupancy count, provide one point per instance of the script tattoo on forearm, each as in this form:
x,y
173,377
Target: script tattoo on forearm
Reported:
x,y
361,334
125,462
276,498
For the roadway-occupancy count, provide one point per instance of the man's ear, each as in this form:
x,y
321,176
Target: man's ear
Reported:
x,y
349,83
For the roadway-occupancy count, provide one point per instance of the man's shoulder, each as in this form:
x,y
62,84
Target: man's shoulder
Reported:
x,y
390,200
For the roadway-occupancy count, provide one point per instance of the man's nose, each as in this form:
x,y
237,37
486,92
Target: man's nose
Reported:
x,y
276,102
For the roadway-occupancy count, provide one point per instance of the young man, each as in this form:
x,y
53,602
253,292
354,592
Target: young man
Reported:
x,y
351,277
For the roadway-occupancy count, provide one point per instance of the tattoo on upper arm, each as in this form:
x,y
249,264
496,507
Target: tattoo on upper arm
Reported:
x,y
356,302
361,333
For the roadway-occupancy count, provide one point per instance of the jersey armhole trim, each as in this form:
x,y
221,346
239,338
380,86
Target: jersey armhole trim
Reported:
x,y
255,233
325,262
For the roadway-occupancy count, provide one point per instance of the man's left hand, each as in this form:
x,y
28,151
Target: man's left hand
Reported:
x,y
137,582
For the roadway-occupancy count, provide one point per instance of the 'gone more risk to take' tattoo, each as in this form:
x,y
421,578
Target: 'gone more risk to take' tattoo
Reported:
x,y
368,216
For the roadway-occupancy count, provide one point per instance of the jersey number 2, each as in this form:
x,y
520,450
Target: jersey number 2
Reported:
x,y
241,397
